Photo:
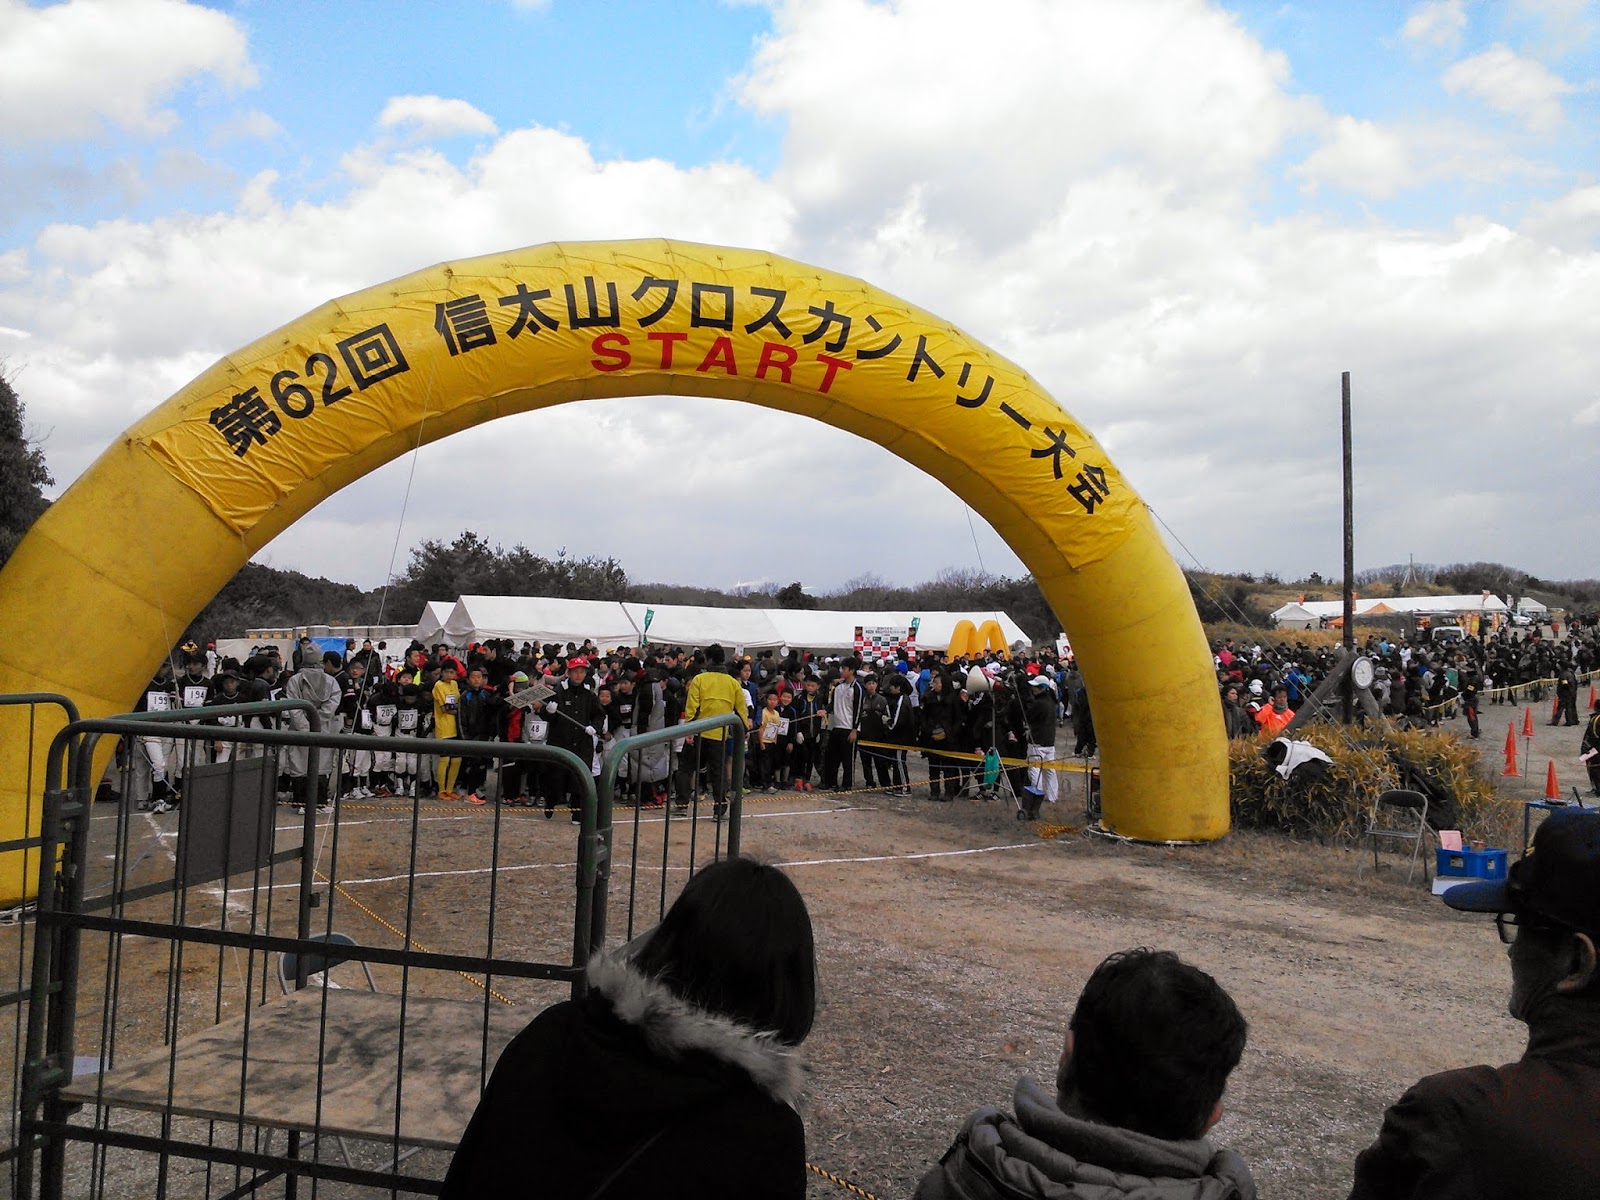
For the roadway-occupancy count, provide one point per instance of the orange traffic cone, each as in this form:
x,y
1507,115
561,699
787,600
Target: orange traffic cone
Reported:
x,y
1552,789
1527,722
1555,709
1511,749
1591,696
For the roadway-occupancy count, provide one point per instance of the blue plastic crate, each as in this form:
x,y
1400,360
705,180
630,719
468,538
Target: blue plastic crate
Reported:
x,y
1472,864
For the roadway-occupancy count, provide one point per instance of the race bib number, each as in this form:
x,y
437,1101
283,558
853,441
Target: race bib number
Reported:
x,y
366,719
194,697
157,702
538,731
408,719
228,721
386,715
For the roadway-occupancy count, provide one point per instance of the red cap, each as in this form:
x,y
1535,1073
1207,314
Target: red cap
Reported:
x,y
580,661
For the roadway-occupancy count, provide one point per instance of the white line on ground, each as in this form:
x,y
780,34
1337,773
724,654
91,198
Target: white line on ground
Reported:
x,y
617,826
822,862
467,871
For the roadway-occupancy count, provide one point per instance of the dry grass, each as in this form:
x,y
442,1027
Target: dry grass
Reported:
x,y
1333,806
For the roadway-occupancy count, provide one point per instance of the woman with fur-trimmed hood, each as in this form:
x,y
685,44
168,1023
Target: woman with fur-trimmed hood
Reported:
x,y
676,1074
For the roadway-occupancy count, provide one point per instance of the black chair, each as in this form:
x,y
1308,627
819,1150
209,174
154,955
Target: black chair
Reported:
x,y
319,964
1400,816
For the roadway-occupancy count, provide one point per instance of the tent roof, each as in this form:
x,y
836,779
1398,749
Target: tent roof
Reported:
x,y
539,619
1410,604
1294,612
835,629
694,625
430,626
548,619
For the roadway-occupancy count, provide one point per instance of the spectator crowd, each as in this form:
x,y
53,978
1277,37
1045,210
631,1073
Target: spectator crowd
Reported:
x,y
806,722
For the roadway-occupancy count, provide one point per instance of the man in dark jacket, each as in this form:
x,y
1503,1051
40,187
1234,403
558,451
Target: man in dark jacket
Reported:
x,y
1566,696
1531,1128
1147,1058
576,716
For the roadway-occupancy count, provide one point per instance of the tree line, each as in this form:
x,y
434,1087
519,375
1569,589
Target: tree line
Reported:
x,y
260,596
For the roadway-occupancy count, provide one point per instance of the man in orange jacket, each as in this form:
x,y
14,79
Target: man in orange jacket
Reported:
x,y
1273,717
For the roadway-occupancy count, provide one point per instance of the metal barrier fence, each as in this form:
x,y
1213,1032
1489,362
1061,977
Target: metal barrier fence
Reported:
x,y
158,934
19,717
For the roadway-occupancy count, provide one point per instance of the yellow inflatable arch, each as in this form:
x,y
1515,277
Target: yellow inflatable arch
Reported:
x,y
110,576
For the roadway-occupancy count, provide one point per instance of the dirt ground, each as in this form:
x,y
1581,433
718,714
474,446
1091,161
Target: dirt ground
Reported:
x,y
953,940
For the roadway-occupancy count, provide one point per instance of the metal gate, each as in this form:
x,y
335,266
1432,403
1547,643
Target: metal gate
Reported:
x,y
182,945
20,718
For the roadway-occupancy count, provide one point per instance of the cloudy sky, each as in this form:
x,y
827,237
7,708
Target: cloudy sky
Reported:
x,y
1185,219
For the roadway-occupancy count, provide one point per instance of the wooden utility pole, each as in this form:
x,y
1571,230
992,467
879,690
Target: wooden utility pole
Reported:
x,y
1347,691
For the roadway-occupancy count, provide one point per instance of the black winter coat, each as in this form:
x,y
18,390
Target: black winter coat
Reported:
x,y
940,711
576,708
631,1092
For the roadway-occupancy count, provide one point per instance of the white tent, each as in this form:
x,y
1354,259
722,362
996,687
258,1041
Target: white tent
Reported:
x,y
430,626
741,630
835,629
737,629
1409,604
821,629
1294,616
539,619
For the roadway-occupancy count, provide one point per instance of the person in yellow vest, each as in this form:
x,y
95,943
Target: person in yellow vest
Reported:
x,y
712,693
446,708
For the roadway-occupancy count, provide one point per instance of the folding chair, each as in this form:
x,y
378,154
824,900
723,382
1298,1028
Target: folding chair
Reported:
x,y
317,968
319,964
1392,821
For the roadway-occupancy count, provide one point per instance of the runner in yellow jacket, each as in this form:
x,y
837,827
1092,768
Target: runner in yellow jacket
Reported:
x,y
712,693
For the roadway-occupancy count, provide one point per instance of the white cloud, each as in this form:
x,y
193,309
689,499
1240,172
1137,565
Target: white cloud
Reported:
x,y
1436,23
1571,222
66,70
435,117
1360,156
994,111
251,124
1513,84
1565,24
1087,209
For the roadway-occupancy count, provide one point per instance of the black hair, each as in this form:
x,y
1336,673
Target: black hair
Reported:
x,y
715,654
333,657
737,942
1154,1040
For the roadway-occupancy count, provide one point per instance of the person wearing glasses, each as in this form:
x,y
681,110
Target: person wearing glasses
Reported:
x,y
1532,1127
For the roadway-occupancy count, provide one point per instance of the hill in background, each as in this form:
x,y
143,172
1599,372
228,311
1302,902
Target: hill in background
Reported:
x,y
261,596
